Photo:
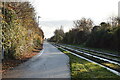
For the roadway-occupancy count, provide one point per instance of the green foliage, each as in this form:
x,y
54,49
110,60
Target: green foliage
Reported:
x,y
20,29
58,35
77,35
105,36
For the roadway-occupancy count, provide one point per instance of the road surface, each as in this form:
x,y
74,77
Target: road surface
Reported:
x,y
51,64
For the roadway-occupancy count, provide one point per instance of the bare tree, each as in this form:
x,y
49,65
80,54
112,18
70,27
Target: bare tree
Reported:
x,y
83,24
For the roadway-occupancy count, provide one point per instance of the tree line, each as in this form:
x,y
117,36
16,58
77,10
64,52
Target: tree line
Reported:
x,y
20,31
106,35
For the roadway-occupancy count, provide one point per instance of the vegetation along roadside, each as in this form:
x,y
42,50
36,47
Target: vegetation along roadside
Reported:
x,y
22,37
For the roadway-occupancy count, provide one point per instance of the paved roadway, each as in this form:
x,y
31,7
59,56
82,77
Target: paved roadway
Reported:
x,y
51,64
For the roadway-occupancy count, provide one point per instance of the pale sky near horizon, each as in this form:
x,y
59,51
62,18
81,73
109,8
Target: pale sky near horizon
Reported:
x,y
55,13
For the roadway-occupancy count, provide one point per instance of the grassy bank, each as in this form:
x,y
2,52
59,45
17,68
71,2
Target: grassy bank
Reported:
x,y
83,69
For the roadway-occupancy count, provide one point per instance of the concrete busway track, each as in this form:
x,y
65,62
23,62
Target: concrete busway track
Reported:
x,y
106,57
91,58
100,52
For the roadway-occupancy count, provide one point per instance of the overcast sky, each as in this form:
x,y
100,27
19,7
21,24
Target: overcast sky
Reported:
x,y
55,13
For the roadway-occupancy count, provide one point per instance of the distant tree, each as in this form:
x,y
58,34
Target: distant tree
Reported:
x,y
104,36
58,35
114,21
84,24
82,29
95,28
